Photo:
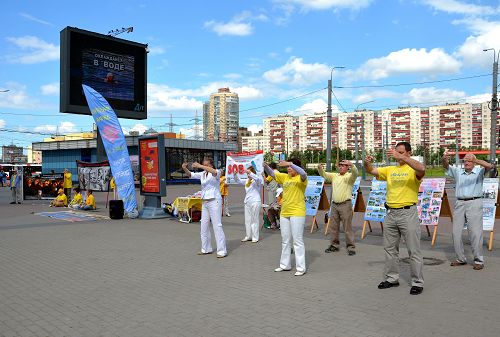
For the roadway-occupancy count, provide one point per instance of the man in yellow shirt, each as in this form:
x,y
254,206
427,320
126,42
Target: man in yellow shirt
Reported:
x,y
341,207
68,183
403,182
61,200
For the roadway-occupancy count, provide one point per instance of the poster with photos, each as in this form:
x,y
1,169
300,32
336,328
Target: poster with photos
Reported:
x,y
430,197
375,206
490,195
313,194
355,189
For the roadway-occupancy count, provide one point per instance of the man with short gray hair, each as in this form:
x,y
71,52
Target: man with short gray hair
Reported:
x,y
468,207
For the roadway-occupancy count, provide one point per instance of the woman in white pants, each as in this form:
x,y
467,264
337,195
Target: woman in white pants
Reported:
x,y
211,206
253,203
293,214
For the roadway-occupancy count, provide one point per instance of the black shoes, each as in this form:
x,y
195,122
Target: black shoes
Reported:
x,y
416,290
331,249
387,285
351,252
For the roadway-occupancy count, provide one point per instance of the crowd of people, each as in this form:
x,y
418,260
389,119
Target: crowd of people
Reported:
x,y
286,209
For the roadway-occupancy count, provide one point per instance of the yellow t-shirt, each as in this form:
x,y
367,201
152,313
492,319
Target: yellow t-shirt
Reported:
x,y
294,189
112,184
68,183
223,186
90,201
63,198
77,199
402,185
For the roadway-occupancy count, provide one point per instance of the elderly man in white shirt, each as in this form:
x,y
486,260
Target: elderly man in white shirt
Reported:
x,y
253,203
211,206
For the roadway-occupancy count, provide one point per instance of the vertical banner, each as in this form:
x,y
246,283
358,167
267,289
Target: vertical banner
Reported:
x,y
116,148
355,190
430,197
490,191
238,162
313,194
375,206
152,165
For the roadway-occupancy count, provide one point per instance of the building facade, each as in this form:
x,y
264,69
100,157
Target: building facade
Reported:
x,y
221,116
242,132
13,154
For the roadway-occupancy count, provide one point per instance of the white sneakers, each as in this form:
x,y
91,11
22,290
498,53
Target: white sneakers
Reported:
x,y
297,273
255,241
245,239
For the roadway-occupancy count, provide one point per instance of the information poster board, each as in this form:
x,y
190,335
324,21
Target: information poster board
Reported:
x,y
238,162
93,176
490,194
313,194
355,189
152,165
430,196
375,206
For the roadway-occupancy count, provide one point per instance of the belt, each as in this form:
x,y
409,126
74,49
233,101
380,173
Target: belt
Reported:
x,y
469,199
338,203
404,207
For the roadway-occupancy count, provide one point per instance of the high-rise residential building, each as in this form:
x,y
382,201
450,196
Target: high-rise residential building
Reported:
x,y
221,116
281,133
242,132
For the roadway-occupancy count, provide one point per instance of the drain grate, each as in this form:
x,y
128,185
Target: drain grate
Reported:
x,y
428,261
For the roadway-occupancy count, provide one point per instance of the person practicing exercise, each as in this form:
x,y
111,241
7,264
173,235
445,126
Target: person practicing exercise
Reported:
x,y
77,200
341,207
253,203
211,206
293,214
89,204
61,200
403,182
468,207
224,192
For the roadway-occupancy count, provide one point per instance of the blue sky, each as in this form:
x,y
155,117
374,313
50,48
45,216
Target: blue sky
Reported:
x,y
266,50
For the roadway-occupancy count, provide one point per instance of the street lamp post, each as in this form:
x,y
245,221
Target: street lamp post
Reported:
x,y
494,107
329,123
363,171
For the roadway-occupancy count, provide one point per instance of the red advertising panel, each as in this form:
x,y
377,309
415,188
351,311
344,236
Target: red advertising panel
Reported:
x,y
150,168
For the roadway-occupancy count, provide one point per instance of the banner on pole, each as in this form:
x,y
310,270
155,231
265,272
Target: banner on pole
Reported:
x,y
238,162
115,146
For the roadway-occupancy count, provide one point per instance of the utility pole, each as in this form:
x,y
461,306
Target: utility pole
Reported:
x,y
457,158
494,108
329,123
363,171
196,120
386,141
356,138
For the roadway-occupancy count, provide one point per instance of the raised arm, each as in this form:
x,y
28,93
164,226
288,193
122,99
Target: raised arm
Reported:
x,y
354,172
298,169
446,160
186,170
238,180
487,166
206,168
256,177
369,167
414,164
327,175
268,170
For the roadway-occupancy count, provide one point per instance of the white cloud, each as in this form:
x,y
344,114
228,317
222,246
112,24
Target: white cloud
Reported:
x,y
50,89
459,7
255,128
328,4
35,19
484,36
156,50
296,72
374,95
164,98
408,61
2,123
479,98
432,95
18,98
317,105
34,50
192,132
139,127
239,25
61,129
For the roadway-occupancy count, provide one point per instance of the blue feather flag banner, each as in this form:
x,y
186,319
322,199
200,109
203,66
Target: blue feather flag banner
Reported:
x,y
116,148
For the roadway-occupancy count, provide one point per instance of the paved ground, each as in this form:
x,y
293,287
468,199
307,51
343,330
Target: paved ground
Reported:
x,y
143,278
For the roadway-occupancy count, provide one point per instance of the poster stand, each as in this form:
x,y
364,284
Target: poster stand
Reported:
x,y
497,216
359,207
324,205
444,213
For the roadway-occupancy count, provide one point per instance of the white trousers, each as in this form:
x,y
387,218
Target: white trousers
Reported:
x,y
292,229
211,211
252,212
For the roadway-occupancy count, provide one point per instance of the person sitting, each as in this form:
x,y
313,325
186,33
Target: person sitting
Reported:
x,y
89,202
273,210
61,200
77,200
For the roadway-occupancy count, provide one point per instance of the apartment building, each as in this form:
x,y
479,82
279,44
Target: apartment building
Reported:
x,y
221,116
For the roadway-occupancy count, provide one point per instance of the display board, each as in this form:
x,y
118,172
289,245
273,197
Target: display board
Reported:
x,y
355,189
238,162
114,67
44,186
430,197
152,165
490,196
375,206
93,176
313,194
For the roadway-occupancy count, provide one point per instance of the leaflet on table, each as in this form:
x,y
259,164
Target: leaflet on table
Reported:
x,y
239,162
430,196
375,206
490,195
313,194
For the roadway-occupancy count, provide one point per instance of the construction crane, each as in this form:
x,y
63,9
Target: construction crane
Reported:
x,y
119,31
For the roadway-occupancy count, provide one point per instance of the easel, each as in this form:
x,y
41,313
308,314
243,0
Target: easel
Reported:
x,y
359,206
444,212
324,205
497,216
367,222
